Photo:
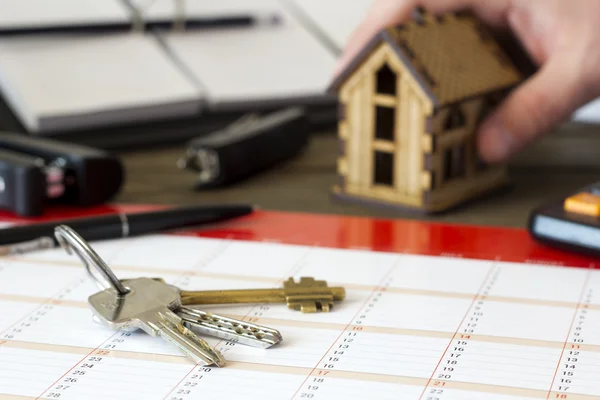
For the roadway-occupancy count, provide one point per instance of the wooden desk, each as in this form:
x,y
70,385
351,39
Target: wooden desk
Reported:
x,y
304,184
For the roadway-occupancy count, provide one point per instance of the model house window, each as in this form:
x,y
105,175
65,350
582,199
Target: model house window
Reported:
x,y
456,119
448,164
386,81
383,168
384,123
385,126
454,162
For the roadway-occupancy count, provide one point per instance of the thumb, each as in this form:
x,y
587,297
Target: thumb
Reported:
x,y
544,101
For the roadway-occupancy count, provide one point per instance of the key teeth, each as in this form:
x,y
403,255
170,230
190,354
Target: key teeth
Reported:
x,y
304,281
224,327
310,307
211,356
324,307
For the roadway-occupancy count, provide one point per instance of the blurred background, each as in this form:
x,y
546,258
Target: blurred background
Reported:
x,y
124,77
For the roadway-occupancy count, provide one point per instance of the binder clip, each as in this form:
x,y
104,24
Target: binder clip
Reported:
x,y
35,172
250,145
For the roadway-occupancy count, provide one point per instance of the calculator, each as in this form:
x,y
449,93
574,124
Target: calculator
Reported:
x,y
571,223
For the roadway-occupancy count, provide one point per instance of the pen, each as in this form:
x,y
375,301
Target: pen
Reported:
x,y
147,26
26,238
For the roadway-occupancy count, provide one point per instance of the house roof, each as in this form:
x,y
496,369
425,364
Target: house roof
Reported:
x,y
452,57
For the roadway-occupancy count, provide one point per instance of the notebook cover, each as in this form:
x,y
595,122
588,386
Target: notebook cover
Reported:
x,y
273,63
92,81
24,15
333,20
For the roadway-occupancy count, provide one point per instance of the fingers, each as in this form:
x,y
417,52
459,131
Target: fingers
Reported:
x,y
544,101
385,13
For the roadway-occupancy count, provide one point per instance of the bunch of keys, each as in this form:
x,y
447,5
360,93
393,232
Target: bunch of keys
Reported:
x,y
160,309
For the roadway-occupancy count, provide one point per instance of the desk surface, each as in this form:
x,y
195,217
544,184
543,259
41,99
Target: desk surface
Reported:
x,y
304,184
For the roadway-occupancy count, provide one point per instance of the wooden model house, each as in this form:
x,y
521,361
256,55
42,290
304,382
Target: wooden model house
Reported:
x,y
410,104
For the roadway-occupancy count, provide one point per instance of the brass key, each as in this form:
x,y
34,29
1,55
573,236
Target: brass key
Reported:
x,y
308,295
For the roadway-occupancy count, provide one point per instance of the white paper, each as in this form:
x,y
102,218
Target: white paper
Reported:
x,y
410,327
166,9
58,82
337,19
589,113
262,63
43,13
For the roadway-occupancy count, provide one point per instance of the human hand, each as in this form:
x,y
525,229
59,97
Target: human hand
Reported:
x,y
562,38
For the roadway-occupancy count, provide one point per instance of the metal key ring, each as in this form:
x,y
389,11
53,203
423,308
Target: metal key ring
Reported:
x,y
71,241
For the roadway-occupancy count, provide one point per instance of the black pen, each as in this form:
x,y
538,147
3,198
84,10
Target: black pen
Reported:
x,y
25,238
231,21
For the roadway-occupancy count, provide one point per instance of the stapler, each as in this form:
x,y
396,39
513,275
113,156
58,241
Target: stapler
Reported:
x,y
35,172
246,147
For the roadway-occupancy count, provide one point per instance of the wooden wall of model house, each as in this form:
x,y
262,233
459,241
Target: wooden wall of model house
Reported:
x,y
454,155
452,165
384,114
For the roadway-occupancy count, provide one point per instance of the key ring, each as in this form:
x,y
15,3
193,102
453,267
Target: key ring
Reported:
x,y
72,241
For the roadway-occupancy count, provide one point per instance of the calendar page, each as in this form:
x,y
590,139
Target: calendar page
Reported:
x,y
412,326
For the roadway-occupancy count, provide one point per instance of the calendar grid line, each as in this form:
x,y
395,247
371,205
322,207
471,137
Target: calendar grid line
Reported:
x,y
446,335
519,341
466,314
175,359
195,265
72,368
393,290
297,265
348,286
562,353
16,397
42,302
380,285
394,379
404,328
192,369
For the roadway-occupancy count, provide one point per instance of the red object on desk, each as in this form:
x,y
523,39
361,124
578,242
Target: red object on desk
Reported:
x,y
336,231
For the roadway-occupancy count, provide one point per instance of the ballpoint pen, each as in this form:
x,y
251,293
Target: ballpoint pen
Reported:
x,y
25,238
138,24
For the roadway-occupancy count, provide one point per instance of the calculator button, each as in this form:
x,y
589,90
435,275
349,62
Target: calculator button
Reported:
x,y
584,203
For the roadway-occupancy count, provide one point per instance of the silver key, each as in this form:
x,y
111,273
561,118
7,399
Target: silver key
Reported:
x,y
143,303
230,329
148,306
